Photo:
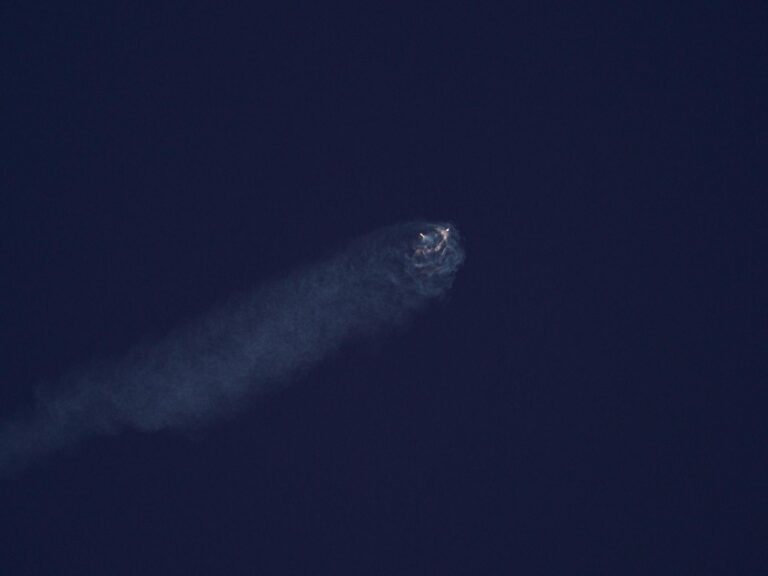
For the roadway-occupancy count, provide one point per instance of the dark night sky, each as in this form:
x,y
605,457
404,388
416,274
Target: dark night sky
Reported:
x,y
591,399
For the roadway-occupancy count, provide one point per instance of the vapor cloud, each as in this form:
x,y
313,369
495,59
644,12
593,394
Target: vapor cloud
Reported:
x,y
214,365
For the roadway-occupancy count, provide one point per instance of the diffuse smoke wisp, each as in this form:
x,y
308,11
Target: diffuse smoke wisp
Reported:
x,y
213,365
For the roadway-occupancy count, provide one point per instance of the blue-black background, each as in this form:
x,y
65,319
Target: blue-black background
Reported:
x,y
590,400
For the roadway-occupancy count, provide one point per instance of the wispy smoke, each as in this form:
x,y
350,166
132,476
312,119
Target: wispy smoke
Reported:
x,y
213,365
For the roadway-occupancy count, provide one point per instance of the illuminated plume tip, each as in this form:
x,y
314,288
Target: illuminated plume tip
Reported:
x,y
435,255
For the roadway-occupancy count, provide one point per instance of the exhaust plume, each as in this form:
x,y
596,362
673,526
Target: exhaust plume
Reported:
x,y
211,366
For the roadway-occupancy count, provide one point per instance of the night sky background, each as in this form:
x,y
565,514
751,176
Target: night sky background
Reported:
x,y
591,399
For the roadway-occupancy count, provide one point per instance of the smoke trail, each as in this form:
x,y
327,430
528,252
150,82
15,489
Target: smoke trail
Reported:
x,y
211,366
